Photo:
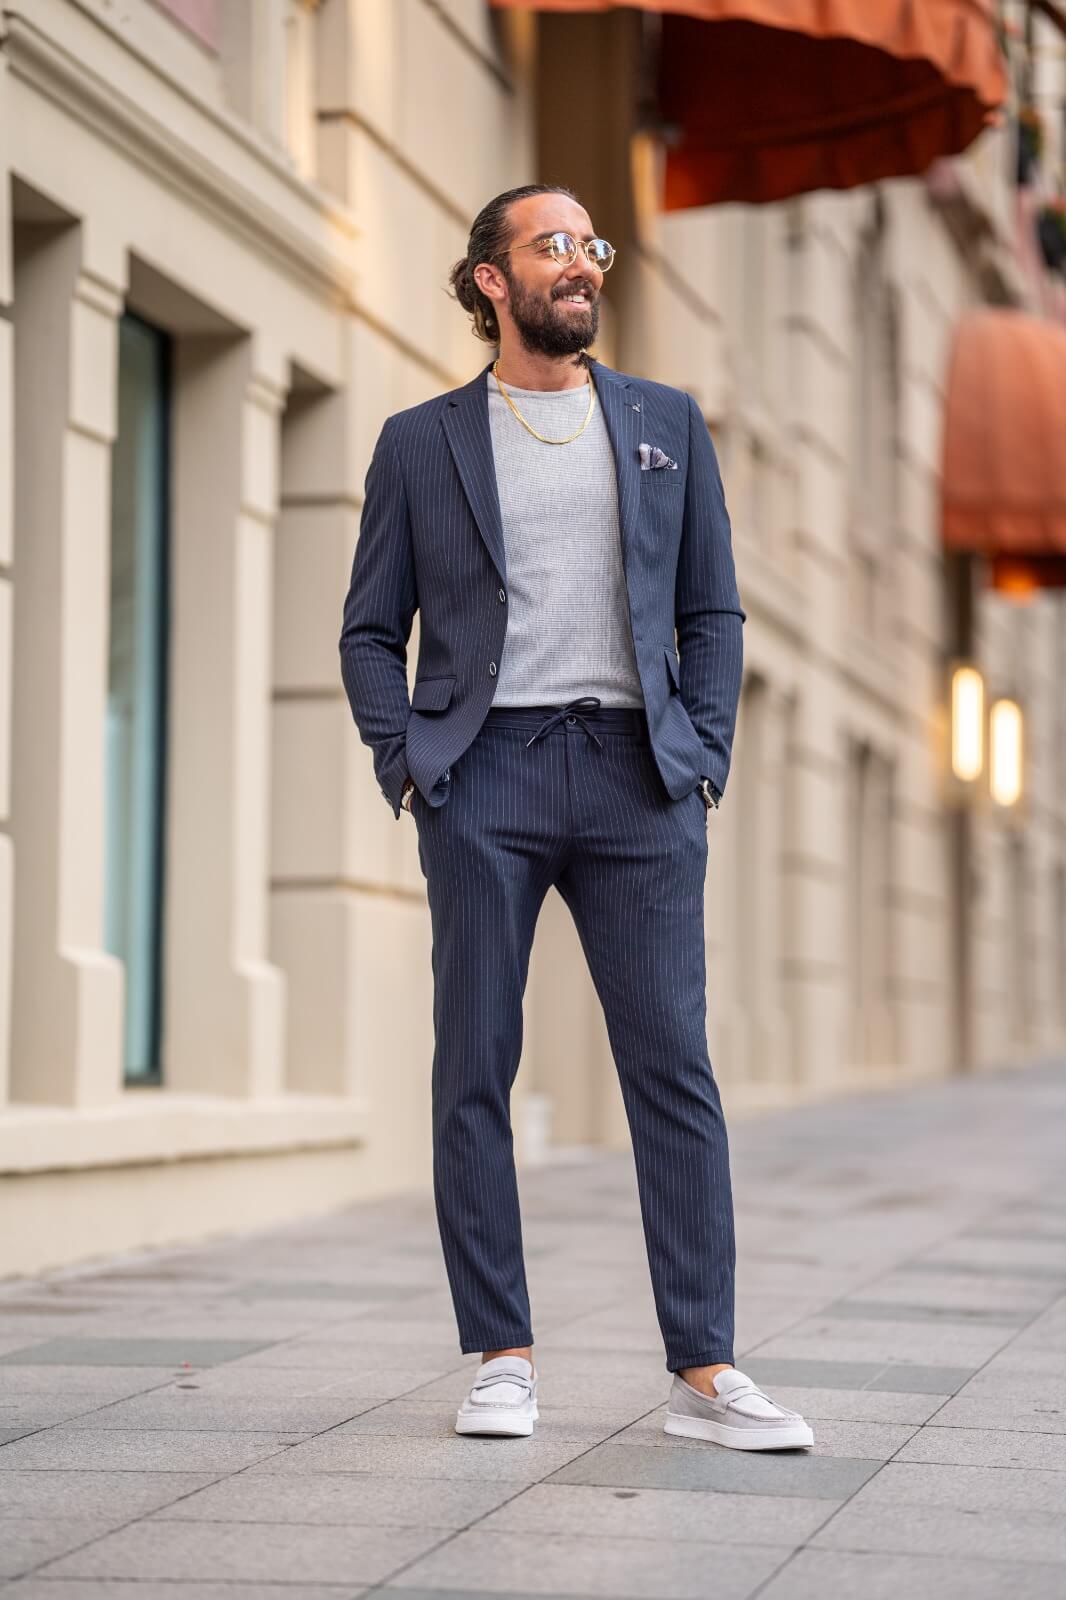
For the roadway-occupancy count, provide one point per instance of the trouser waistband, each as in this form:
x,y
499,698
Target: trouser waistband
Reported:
x,y
585,709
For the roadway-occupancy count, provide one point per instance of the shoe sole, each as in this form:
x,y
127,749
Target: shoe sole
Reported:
x,y
739,1438
498,1427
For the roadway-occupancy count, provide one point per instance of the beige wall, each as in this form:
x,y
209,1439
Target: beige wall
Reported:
x,y
285,200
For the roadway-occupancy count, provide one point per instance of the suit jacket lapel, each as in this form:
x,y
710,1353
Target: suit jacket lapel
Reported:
x,y
621,402
466,427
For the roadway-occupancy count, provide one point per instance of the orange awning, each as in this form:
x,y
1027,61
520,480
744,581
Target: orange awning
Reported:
x,y
770,98
1004,477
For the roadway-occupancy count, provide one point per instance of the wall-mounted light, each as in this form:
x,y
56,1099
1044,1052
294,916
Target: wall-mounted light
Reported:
x,y
1005,752
967,723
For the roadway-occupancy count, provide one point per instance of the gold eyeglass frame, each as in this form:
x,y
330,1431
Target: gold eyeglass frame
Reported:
x,y
571,257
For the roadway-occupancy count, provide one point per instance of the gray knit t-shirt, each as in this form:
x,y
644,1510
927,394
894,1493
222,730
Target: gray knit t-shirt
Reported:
x,y
568,630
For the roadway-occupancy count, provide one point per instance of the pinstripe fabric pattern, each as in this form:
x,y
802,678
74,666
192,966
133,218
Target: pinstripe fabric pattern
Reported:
x,y
431,539
604,806
581,808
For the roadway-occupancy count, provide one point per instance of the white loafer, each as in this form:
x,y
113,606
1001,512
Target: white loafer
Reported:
x,y
742,1417
503,1400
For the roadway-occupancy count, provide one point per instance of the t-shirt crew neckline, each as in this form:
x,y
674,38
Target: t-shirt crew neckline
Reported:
x,y
541,394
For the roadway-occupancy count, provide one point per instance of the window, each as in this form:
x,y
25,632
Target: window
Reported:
x,y
875,425
868,925
136,700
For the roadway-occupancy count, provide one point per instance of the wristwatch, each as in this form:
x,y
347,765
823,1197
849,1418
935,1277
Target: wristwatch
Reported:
x,y
710,794
408,791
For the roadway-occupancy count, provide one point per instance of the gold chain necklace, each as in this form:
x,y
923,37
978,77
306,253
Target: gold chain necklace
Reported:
x,y
543,437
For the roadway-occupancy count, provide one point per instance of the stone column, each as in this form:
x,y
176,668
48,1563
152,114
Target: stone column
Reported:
x,y
68,1008
769,1027
224,1000
7,507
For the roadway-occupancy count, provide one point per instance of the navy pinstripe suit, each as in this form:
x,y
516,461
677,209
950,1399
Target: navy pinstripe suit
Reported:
x,y
602,803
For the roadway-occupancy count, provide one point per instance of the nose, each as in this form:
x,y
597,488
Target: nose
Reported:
x,y
582,275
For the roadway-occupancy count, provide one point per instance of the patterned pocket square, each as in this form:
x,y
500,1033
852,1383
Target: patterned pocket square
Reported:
x,y
651,457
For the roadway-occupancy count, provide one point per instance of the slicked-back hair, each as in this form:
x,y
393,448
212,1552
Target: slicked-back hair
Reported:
x,y
490,236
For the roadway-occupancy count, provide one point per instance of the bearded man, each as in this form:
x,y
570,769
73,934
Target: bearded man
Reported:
x,y
562,530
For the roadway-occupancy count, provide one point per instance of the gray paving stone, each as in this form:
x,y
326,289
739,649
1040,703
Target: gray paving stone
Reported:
x,y
549,1509
858,1405
44,1588
44,1411
894,1377
342,1355
574,1334
149,1286
935,1531
110,1449
149,1352
458,1457
184,1410
1036,1214
669,1570
1009,1254
1005,1382
392,1333
250,1552
981,1268
1016,1361
372,1384
116,1496
256,1327
113,1383
310,1289
1047,1229
28,1544
887,1342
972,1447
1032,1412
463,1594
1047,1331
817,1574
344,1498
964,1290
758,1269
795,1474
973,1489
14,1341
904,1311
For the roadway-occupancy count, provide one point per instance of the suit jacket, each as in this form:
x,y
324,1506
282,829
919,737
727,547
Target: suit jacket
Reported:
x,y
431,539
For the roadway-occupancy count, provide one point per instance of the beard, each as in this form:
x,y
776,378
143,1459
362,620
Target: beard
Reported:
x,y
546,329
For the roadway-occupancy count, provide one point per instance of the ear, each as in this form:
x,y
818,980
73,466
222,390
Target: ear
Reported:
x,y
490,280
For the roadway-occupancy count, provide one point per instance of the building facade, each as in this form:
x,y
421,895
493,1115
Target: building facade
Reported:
x,y
225,233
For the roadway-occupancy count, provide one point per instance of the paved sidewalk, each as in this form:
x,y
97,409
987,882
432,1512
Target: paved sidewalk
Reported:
x,y
272,1416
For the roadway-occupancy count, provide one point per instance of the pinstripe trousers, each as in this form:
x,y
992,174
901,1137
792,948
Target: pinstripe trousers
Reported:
x,y
570,796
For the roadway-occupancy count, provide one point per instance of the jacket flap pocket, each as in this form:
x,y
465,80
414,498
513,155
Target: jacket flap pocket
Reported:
x,y
671,662
432,694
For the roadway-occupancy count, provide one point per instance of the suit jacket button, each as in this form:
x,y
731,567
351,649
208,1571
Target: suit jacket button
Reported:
x,y
503,594
492,668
